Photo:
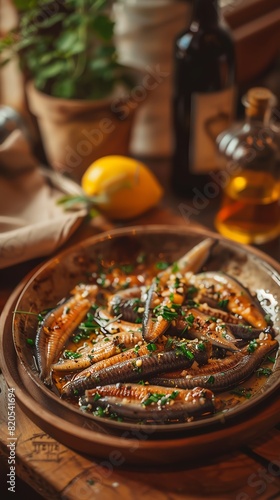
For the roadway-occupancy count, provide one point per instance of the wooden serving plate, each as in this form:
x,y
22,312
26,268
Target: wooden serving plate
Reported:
x,y
137,444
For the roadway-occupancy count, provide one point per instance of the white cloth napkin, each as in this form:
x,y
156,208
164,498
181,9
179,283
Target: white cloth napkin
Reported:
x,y
32,223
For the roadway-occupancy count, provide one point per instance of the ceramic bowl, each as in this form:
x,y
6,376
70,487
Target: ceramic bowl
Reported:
x,y
53,280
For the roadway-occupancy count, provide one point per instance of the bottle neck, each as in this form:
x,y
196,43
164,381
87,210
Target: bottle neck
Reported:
x,y
259,116
259,103
206,13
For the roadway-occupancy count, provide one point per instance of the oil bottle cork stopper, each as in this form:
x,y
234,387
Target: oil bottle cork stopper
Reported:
x,y
258,99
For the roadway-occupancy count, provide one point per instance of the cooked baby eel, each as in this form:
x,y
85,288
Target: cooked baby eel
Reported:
x,y
192,261
230,295
212,366
168,289
181,356
134,401
126,354
227,376
103,349
153,327
58,325
128,303
247,332
225,316
196,324
111,324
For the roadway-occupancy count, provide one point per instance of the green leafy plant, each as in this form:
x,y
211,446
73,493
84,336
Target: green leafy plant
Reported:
x,y
66,47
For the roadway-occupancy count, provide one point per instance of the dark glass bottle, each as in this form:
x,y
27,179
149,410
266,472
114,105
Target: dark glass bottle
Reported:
x,y
203,99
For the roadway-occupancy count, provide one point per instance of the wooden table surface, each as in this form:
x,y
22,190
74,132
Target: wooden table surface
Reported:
x,y
252,472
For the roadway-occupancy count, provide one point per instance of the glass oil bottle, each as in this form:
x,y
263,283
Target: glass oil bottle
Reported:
x,y
250,206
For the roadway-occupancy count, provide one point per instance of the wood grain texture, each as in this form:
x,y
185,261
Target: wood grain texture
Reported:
x,y
55,471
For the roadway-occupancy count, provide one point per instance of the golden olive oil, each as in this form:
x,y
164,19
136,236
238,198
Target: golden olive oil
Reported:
x,y
250,208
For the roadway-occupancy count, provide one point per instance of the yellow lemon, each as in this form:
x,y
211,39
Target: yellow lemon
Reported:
x,y
127,186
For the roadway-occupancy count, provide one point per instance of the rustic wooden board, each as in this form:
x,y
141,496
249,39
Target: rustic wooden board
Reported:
x,y
55,471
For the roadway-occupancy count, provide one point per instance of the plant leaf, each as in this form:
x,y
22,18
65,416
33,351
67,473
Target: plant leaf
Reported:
x,y
70,41
50,21
54,69
64,88
108,51
25,4
98,64
103,26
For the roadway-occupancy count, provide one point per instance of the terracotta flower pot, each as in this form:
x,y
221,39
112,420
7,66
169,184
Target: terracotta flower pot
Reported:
x,y
77,132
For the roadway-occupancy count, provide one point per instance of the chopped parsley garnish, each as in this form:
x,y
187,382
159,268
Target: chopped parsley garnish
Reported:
x,y
136,367
200,346
136,349
263,372
99,412
223,303
159,399
245,327
127,268
191,291
190,319
141,258
71,355
175,268
40,316
269,358
80,336
136,303
125,285
252,346
169,343
182,349
185,329
192,303
213,319
166,312
177,282
116,309
151,347
90,323
101,279
30,342
114,416
122,347
211,379
162,265
242,392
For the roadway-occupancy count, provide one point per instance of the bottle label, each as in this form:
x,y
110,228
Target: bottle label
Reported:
x,y
211,114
